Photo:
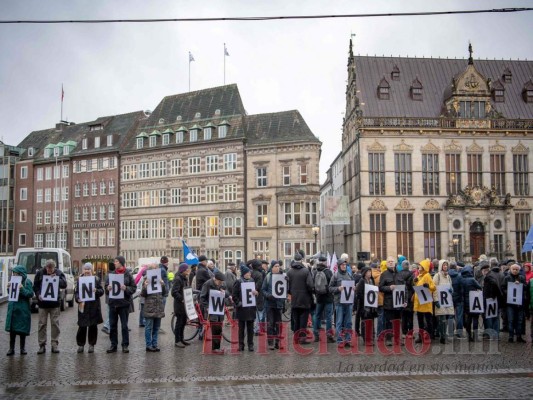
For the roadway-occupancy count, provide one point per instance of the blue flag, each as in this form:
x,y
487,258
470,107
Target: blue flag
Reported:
x,y
189,255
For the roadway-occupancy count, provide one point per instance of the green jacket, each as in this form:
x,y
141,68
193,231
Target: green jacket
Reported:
x,y
18,317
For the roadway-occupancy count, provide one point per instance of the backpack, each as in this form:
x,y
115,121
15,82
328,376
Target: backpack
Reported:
x,y
321,282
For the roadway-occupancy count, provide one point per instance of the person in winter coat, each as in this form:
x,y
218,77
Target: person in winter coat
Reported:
x,y
444,314
424,312
18,318
468,284
273,306
48,308
245,315
367,313
231,276
89,312
181,282
120,308
457,297
215,283
530,311
154,310
163,265
343,311
528,272
258,275
324,301
203,274
515,312
376,274
404,271
387,283
300,288
492,289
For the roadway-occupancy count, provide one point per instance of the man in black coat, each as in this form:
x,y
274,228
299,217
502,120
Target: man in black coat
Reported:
x,y
215,283
300,288
492,289
387,283
203,274
180,283
515,312
258,275
324,302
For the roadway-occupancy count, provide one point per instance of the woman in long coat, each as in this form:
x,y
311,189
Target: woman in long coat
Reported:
x,y
89,312
18,319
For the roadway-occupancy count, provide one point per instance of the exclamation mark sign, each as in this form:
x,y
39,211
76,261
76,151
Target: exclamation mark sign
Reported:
x,y
514,296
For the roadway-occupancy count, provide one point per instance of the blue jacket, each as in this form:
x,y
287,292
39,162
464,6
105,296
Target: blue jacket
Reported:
x,y
468,284
270,300
456,286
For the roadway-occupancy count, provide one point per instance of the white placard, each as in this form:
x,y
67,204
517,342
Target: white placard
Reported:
x,y
424,294
475,298
87,285
216,302
189,304
14,287
444,295
371,296
514,293
279,286
116,281
399,298
153,276
347,292
247,297
492,308
50,288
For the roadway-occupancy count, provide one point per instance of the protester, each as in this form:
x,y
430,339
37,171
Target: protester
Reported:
x,y
515,312
376,274
424,312
368,314
324,299
404,270
245,314
444,314
468,284
120,308
356,278
528,272
202,273
300,288
154,310
163,265
139,283
48,308
181,282
457,297
231,276
89,312
343,311
258,275
215,283
273,307
387,283
105,328
18,318
492,289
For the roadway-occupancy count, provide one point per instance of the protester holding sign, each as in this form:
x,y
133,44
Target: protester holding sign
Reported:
x,y
343,311
388,281
301,291
89,311
324,299
48,281
154,292
181,282
515,291
273,292
120,296
18,318
244,296
214,284
406,275
424,306
368,313
492,289
443,300
469,284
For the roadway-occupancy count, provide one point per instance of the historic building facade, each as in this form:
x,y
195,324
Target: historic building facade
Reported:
x,y
437,157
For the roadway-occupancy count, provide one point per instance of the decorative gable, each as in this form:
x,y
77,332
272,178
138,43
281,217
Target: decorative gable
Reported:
x,y
432,204
498,92
522,205
404,205
497,148
378,205
453,147
429,148
376,147
520,149
474,148
403,148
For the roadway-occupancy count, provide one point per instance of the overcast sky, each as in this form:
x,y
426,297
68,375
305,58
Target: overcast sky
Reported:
x,y
278,65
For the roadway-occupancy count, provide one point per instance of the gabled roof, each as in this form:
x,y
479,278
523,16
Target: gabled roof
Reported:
x,y
437,75
498,85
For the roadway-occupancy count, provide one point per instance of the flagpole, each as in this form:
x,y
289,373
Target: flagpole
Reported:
x,y
224,63
62,95
189,71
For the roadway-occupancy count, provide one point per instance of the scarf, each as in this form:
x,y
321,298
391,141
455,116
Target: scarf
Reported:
x,y
120,270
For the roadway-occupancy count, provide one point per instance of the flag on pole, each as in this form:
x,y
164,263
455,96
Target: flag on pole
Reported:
x,y
225,50
334,266
191,58
189,256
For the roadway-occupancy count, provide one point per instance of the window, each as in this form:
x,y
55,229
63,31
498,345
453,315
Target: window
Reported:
x,y
230,161
211,194
144,170
77,214
260,250
100,163
303,174
31,151
193,135
85,213
207,133
238,226
47,217
378,236
194,194
212,226
432,248
47,195
376,173
230,192
222,131
38,240
176,228
94,238
497,174
453,173
403,175
498,246
24,172
194,227
66,171
175,167
102,237
102,213
179,137
211,163
109,140
62,240
85,238
77,238
152,141
94,213
430,175
84,144
50,240
520,175
158,168
85,189
23,215
129,199
474,170
39,218
97,142
286,171
111,212
65,193
228,257
40,174
140,143
48,173
103,188
22,239
227,226
110,237
56,151
404,235
292,213
39,193
23,193
166,139
175,196
311,214
472,109
66,150
94,189
56,217
158,198
522,225
111,187
261,176
262,215
194,165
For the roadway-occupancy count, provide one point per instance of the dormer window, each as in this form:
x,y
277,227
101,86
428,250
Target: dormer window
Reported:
x,y
416,90
384,90
472,109
507,76
179,137
84,144
222,131
31,151
498,92
527,92
166,139
161,121
66,150
97,142
56,151
207,133
109,140
46,153
153,141
140,142
194,135
395,74
178,118
217,111
96,127
197,115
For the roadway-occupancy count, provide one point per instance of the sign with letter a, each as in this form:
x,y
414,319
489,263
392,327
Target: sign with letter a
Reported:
x,y
189,304
445,297
247,296
514,293
87,284
116,281
424,295
347,292
50,288
398,296
371,296
279,286
475,298
14,287
154,281
216,302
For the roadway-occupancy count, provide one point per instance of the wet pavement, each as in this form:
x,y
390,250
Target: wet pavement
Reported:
x,y
458,370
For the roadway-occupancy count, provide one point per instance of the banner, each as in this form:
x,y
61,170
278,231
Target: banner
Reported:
x,y
371,296
279,286
475,298
444,295
216,302
347,292
50,288
514,293
492,308
399,299
189,304
247,297
14,287
153,276
116,281
336,210
86,288
424,295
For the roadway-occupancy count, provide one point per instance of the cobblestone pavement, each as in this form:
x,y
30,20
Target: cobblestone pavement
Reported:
x,y
458,370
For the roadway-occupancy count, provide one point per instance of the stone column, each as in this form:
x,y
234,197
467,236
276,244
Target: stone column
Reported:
x,y
491,232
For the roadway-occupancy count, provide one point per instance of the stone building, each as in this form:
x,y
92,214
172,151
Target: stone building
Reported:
x,y
437,156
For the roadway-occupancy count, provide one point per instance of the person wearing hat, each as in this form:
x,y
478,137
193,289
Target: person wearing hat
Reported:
x,y
18,318
203,274
245,315
469,284
300,288
180,283
231,276
343,311
274,307
515,312
89,312
324,301
120,308
216,321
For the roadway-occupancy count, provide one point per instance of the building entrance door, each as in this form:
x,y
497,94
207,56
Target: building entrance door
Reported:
x,y
477,240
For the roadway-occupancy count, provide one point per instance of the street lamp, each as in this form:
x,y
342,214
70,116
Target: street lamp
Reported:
x,y
316,229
